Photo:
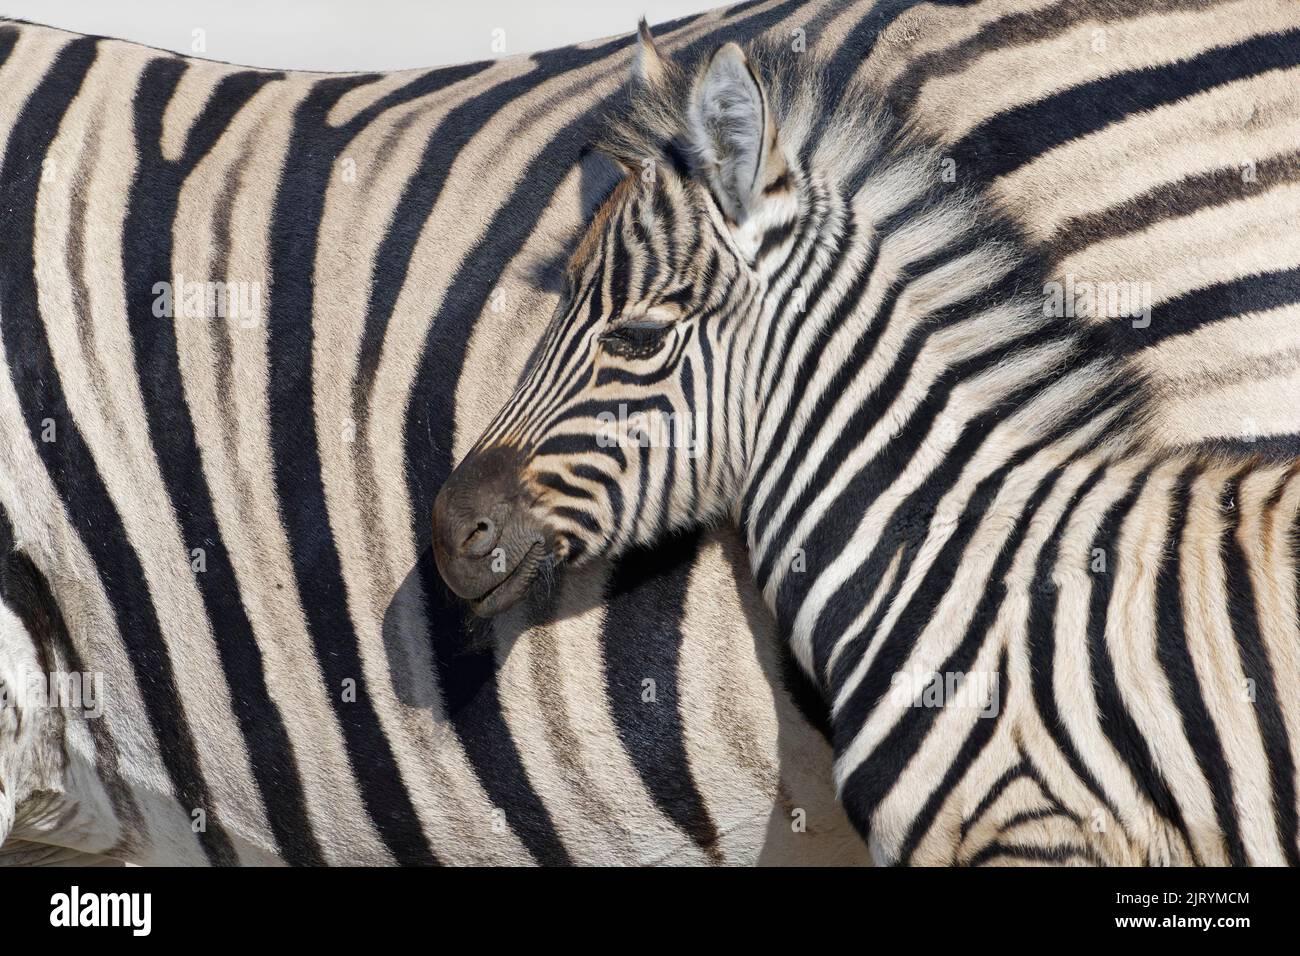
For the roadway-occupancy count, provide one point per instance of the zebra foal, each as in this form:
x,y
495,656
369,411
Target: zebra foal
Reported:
x,y
1043,635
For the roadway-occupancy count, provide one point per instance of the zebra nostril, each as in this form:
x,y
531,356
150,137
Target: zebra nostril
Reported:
x,y
481,538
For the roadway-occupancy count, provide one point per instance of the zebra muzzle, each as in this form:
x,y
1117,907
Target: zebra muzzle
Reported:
x,y
488,546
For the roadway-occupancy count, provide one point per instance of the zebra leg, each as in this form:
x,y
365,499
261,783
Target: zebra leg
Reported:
x,y
18,852
18,732
32,755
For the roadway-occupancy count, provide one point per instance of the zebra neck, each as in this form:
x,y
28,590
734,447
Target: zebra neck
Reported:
x,y
921,372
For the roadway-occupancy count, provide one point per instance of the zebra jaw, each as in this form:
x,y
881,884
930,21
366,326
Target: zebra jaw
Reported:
x,y
516,584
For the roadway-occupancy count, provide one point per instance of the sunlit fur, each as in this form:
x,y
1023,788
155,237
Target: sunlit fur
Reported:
x,y
935,475
1130,158
300,454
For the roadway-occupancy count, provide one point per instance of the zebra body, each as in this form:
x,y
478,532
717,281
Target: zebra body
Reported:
x,y
225,517
1047,631
1131,629
530,739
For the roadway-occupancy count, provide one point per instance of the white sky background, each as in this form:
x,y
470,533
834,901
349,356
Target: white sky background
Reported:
x,y
352,34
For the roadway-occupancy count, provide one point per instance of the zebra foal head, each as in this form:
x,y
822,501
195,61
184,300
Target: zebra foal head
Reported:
x,y
631,421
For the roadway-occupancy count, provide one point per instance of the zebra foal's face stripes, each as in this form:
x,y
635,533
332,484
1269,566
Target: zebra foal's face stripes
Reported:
x,y
630,422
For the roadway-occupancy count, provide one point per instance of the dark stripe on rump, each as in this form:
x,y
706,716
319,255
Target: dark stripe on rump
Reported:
x,y
1020,28
1005,142
1168,201
1200,307
860,41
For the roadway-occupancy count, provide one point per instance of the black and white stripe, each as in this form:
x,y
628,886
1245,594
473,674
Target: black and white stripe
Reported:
x,y
189,437
947,484
300,455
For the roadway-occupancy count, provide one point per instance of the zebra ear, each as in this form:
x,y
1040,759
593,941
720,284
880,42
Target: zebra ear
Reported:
x,y
648,65
732,132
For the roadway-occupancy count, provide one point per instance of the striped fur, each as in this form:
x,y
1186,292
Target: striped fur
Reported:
x,y
1049,627
310,689
441,360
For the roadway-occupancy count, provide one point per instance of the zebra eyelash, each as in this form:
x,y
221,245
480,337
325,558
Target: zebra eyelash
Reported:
x,y
642,323
644,331
636,338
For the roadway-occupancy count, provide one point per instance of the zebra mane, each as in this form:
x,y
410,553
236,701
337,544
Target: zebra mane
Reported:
x,y
842,129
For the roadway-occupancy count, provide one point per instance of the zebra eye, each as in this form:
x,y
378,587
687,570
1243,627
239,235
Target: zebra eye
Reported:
x,y
641,334
635,341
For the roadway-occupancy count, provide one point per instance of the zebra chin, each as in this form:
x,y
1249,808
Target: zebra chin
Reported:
x,y
489,547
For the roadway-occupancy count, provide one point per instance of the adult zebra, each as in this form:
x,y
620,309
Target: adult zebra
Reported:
x,y
1046,630
225,518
